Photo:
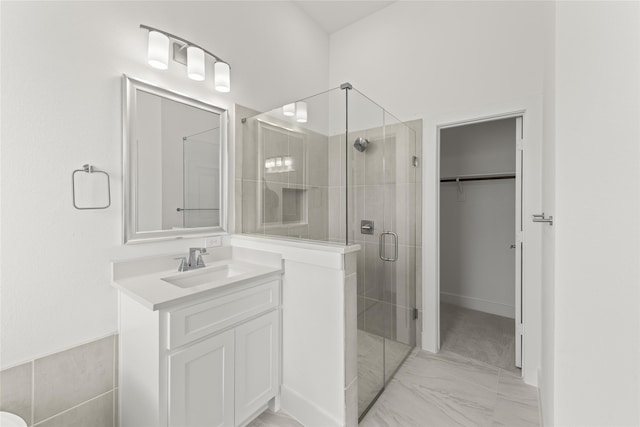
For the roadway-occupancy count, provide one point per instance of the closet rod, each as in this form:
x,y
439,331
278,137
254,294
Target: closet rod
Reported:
x,y
478,178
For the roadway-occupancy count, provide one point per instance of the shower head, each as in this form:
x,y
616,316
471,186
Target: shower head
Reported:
x,y
361,144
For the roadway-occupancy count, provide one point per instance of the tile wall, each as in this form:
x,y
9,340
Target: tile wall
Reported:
x,y
386,188
292,203
75,387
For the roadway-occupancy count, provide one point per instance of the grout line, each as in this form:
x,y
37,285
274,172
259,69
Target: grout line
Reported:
x,y
73,407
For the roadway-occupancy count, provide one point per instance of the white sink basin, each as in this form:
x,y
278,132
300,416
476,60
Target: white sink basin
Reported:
x,y
205,276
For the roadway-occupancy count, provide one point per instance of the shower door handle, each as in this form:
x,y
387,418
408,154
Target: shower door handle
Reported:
x,y
381,247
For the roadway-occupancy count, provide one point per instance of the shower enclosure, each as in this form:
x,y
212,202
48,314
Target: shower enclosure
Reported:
x,y
337,168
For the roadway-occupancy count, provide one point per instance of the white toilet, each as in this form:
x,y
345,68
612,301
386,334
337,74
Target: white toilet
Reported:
x,y
7,419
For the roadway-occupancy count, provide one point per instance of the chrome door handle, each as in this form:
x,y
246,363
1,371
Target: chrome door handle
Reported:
x,y
381,247
541,218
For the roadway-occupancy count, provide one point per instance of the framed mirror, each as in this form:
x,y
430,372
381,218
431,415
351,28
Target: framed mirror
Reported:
x,y
174,164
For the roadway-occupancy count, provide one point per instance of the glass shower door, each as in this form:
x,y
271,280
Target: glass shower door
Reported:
x,y
383,217
397,243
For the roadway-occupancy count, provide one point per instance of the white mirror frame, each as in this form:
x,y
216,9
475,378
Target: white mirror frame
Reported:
x,y
129,179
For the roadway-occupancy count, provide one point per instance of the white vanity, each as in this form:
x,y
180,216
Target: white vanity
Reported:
x,y
215,346
201,347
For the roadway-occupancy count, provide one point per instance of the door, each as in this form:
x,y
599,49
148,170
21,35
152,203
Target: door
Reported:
x,y
257,373
201,383
519,243
201,193
398,242
382,210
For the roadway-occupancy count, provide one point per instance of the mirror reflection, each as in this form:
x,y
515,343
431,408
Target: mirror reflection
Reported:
x,y
176,164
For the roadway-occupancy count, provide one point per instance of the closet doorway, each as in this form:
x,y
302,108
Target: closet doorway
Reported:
x,y
480,202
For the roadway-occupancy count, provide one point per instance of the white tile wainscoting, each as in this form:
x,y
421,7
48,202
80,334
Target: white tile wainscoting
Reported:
x,y
78,386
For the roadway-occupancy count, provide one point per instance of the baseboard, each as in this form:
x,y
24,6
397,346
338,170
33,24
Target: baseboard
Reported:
x,y
304,411
478,304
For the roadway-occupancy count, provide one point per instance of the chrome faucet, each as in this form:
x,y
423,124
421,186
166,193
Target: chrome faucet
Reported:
x,y
194,261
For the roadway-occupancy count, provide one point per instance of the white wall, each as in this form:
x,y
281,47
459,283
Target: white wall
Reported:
x,y
477,224
443,62
597,240
546,383
61,108
478,149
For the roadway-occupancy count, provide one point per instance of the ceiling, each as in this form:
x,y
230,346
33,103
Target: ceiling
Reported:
x,y
335,15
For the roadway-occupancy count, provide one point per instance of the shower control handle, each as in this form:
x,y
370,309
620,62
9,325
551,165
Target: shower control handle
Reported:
x,y
381,246
366,226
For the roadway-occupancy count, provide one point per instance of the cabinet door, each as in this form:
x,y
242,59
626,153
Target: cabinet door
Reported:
x,y
201,383
257,363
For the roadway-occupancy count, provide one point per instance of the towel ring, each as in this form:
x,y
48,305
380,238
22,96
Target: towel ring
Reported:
x,y
90,169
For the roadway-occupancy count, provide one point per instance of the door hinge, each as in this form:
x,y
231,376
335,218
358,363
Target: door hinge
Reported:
x,y
416,314
519,328
415,161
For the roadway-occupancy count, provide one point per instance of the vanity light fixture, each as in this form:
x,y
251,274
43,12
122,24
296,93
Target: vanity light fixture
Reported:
x,y
195,58
289,110
158,50
301,112
297,109
222,76
195,63
279,164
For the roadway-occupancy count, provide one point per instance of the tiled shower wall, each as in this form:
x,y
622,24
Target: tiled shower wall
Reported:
x,y
288,204
75,387
388,193
386,188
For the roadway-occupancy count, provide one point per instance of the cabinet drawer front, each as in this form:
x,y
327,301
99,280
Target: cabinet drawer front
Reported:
x,y
202,319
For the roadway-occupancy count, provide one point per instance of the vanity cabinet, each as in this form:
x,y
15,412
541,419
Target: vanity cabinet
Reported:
x,y
201,379
212,362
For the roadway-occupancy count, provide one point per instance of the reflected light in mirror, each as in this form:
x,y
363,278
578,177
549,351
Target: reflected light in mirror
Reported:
x,y
158,50
222,78
289,110
195,63
301,112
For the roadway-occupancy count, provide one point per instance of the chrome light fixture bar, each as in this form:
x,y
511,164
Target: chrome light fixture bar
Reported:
x,y
158,57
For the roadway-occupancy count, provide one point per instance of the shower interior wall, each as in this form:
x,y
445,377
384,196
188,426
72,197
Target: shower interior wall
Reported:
x,y
383,186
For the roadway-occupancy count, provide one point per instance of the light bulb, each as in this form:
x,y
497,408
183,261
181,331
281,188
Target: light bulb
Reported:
x,y
158,50
289,110
195,63
301,112
222,76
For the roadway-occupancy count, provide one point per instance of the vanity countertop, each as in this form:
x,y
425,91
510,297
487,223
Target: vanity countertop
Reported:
x,y
147,280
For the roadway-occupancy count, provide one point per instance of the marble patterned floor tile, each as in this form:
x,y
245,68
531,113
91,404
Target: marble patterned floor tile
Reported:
x,y
447,389
447,370
509,413
274,419
405,405
370,374
370,362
